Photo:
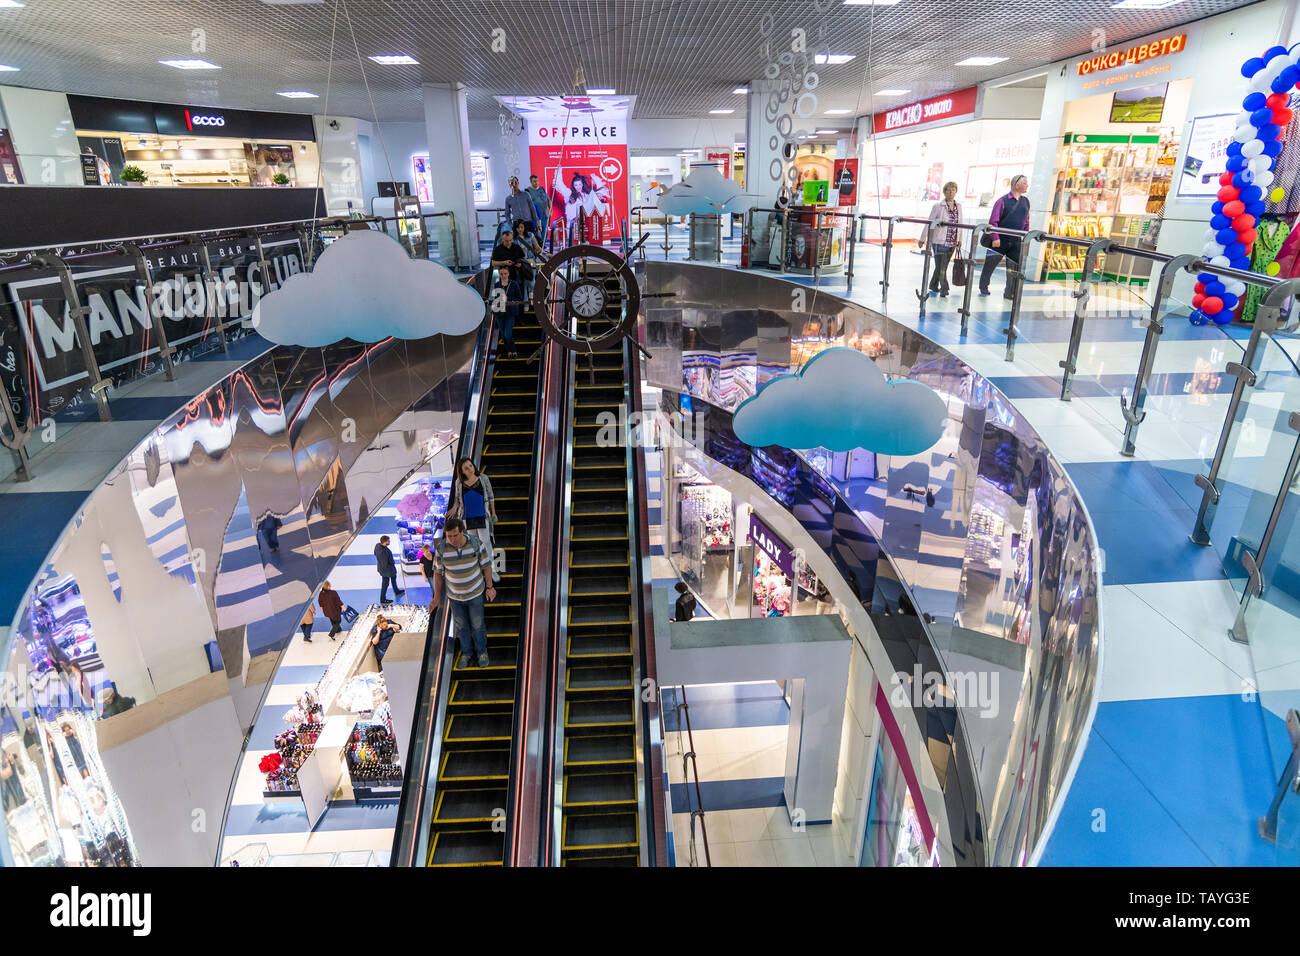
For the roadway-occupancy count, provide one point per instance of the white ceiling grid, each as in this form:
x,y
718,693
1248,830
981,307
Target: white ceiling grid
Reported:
x,y
680,58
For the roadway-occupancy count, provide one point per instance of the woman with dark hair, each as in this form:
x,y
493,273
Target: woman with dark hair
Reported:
x,y
473,501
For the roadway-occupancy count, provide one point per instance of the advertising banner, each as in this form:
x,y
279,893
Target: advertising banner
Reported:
x,y
123,312
846,181
1206,155
719,156
946,107
766,541
577,146
1153,60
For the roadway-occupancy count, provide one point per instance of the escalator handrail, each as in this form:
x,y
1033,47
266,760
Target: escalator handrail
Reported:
x,y
410,838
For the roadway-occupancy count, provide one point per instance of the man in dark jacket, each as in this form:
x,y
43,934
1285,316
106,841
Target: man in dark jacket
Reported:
x,y
1012,212
115,703
387,570
685,609
331,606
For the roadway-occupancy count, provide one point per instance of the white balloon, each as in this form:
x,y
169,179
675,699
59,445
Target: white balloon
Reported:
x,y
1212,249
1262,82
1244,134
1252,148
1259,164
1235,286
1211,235
1219,261
1264,180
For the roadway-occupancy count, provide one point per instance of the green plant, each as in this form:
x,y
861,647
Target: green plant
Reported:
x,y
134,174
280,179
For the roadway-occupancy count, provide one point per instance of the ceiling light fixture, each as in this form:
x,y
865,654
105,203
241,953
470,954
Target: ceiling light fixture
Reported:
x,y
601,91
837,112
1143,4
830,131
8,69
834,59
11,4
395,59
722,111
891,92
870,3
190,64
741,90
980,60
298,95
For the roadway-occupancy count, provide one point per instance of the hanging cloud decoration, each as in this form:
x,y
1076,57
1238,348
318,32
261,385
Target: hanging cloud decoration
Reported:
x,y
365,287
841,400
704,192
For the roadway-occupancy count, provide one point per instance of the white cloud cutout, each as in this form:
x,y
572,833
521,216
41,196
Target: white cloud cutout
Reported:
x,y
365,287
704,191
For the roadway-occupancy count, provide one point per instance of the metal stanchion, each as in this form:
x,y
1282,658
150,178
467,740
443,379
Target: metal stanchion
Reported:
x,y
1254,561
18,443
964,311
210,285
851,232
145,278
1265,321
889,254
785,236
1133,414
815,250
1018,279
99,385
1081,296
923,293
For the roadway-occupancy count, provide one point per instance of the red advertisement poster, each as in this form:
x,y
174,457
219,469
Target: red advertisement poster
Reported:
x,y
588,179
846,181
720,157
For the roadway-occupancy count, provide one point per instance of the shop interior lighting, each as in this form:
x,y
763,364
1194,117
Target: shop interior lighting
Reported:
x,y
298,95
834,59
602,91
190,64
891,92
396,59
980,60
1143,4
722,111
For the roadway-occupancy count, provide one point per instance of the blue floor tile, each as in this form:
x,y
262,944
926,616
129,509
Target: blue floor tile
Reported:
x,y
717,795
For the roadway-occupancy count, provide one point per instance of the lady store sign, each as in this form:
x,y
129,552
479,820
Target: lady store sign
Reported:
x,y
765,540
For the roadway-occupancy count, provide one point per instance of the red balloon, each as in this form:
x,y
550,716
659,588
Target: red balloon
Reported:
x,y
1246,236
1228,194
1243,222
1212,305
1234,208
1276,100
1197,300
1225,179
1282,116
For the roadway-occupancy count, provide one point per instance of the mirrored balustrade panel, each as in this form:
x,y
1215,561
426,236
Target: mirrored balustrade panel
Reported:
x,y
139,659
985,565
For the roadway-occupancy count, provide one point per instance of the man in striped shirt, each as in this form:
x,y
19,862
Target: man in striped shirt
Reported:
x,y
463,564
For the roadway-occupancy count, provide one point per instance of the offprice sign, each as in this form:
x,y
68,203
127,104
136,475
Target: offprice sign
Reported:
x,y
960,103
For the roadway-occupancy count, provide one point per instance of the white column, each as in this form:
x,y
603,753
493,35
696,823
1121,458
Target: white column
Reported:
x,y
447,127
759,151
44,136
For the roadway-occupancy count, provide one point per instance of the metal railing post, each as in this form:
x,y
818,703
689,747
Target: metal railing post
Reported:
x,y
210,287
889,255
1133,413
1012,329
1081,296
964,311
18,443
923,293
814,249
1265,321
667,244
165,351
785,236
747,238
851,232
99,386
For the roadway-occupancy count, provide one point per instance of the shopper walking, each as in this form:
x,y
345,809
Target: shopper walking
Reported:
x,y
541,201
306,623
519,205
462,564
506,299
387,568
1012,212
332,606
944,239
510,254
685,609
426,563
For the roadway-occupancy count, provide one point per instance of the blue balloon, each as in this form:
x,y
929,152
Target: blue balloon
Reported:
x,y
1205,278
1215,288
1256,208
1273,52
1234,148
1235,163
1225,237
1216,207
1243,179
1270,133
1222,317
1198,317
1222,222
1251,67
1272,148
1286,79
1261,117
1229,300
1241,263
1252,102
1250,193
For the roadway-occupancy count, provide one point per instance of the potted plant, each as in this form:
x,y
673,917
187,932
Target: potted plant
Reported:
x,y
134,176
280,179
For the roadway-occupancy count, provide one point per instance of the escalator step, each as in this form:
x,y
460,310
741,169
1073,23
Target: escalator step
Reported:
x,y
597,584
468,691
594,615
588,506
598,678
624,860
480,765
600,645
607,749
599,789
469,806
474,728
599,484
589,557
467,848
598,713
599,831
599,531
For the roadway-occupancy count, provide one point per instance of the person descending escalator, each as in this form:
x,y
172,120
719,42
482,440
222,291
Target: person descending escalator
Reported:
x,y
506,299
463,564
474,503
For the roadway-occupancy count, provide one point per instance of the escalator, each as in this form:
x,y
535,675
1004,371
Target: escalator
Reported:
x,y
471,794
599,815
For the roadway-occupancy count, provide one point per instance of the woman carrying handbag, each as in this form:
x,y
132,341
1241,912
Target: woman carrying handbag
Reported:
x,y
944,240
474,503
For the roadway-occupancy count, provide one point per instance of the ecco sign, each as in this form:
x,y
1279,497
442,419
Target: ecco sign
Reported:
x,y
200,119
960,103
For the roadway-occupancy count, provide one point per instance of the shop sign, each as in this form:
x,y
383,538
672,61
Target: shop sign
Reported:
x,y
123,312
960,103
777,551
1133,55
1153,60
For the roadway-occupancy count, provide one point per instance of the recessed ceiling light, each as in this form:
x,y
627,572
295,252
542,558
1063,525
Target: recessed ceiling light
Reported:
x,y
8,69
870,3
828,131
11,3
980,60
741,90
1143,4
722,111
298,95
395,59
190,64
891,92
837,112
602,91
833,58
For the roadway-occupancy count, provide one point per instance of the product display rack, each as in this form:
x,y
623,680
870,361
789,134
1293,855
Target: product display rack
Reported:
x,y
1108,187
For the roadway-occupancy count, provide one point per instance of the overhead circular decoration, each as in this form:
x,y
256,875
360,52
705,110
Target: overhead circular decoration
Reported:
x,y
1248,173
587,298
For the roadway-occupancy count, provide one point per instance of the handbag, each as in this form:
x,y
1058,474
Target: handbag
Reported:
x,y
958,271
350,613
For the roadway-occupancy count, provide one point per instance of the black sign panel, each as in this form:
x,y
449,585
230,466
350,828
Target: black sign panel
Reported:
x,y
166,119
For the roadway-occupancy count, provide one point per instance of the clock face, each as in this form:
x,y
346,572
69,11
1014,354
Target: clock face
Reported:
x,y
587,299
